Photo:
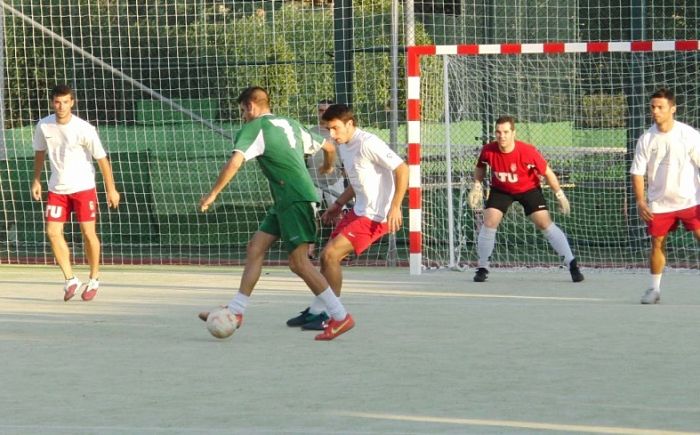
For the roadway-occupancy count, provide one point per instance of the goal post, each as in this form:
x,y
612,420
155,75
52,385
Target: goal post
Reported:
x,y
583,104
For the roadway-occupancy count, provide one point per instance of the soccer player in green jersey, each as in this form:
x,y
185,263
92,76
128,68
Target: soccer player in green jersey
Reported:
x,y
279,145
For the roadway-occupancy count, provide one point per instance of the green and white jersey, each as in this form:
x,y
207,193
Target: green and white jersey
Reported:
x,y
279,144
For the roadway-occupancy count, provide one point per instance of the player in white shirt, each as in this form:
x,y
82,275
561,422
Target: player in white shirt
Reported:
x,y
328,186
378,181
668,154
71,143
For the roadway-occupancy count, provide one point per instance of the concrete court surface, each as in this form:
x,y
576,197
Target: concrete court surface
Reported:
x,y
527,352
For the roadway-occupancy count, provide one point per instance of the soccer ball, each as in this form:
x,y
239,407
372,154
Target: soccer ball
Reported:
x,y
222,323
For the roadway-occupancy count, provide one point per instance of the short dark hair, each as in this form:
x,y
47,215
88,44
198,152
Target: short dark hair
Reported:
x,y
254,94
665,93
328,101
62,90
341,112
506,119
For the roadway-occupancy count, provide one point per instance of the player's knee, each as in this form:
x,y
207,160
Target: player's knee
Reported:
x,y
294,266
54,233
331,256
92,240
254,250
298,264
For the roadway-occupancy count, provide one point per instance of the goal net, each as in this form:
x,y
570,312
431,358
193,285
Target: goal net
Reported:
x,y
583,105
159,80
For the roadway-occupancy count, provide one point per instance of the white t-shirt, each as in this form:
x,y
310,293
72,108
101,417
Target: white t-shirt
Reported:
x,y
670,162
70,148
369,164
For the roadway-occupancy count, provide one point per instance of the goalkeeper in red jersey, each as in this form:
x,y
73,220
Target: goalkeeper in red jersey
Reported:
x,y
516,168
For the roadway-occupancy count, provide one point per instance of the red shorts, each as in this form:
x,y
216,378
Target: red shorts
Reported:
x,y
664,223
360,231
60,206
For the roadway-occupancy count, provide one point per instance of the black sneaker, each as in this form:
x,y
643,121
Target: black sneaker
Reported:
x,y
304,317
576,275
318,324
481,274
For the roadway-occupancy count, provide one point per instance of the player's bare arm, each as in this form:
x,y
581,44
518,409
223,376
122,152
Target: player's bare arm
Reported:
x,y
479,174
553,182
227,173
329,216
395,217
639,196
113,196
329,156
39,157
552,179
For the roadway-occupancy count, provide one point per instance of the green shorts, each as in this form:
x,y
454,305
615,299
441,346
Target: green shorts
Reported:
x,y
294,225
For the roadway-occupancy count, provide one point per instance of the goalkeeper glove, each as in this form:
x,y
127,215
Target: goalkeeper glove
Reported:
x,y
476,196
564,206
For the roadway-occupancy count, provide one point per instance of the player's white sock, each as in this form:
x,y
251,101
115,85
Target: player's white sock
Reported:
x,y
317,306
334,307
238,304
557,239
656,282
486,242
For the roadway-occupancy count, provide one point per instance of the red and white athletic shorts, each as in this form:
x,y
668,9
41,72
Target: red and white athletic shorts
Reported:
x,y
361,231
84,204
664,223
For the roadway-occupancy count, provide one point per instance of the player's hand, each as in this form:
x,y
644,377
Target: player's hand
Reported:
x,y
206,201
36,190
326,169
476,196
394,219
113,199
330,216
644,211
564,206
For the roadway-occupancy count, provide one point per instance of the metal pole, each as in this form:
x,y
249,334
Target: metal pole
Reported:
x,y
636,102
343,51
394,123
3,148
392,254
448,164
7,203
410,23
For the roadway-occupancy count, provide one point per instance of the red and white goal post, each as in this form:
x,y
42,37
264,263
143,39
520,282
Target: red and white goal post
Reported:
x,y
575,101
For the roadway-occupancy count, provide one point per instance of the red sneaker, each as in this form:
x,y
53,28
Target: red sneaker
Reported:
x,y
90,290
72,286
336,327
203,315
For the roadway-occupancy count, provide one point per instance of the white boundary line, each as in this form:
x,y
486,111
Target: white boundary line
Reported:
x,y
517,424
